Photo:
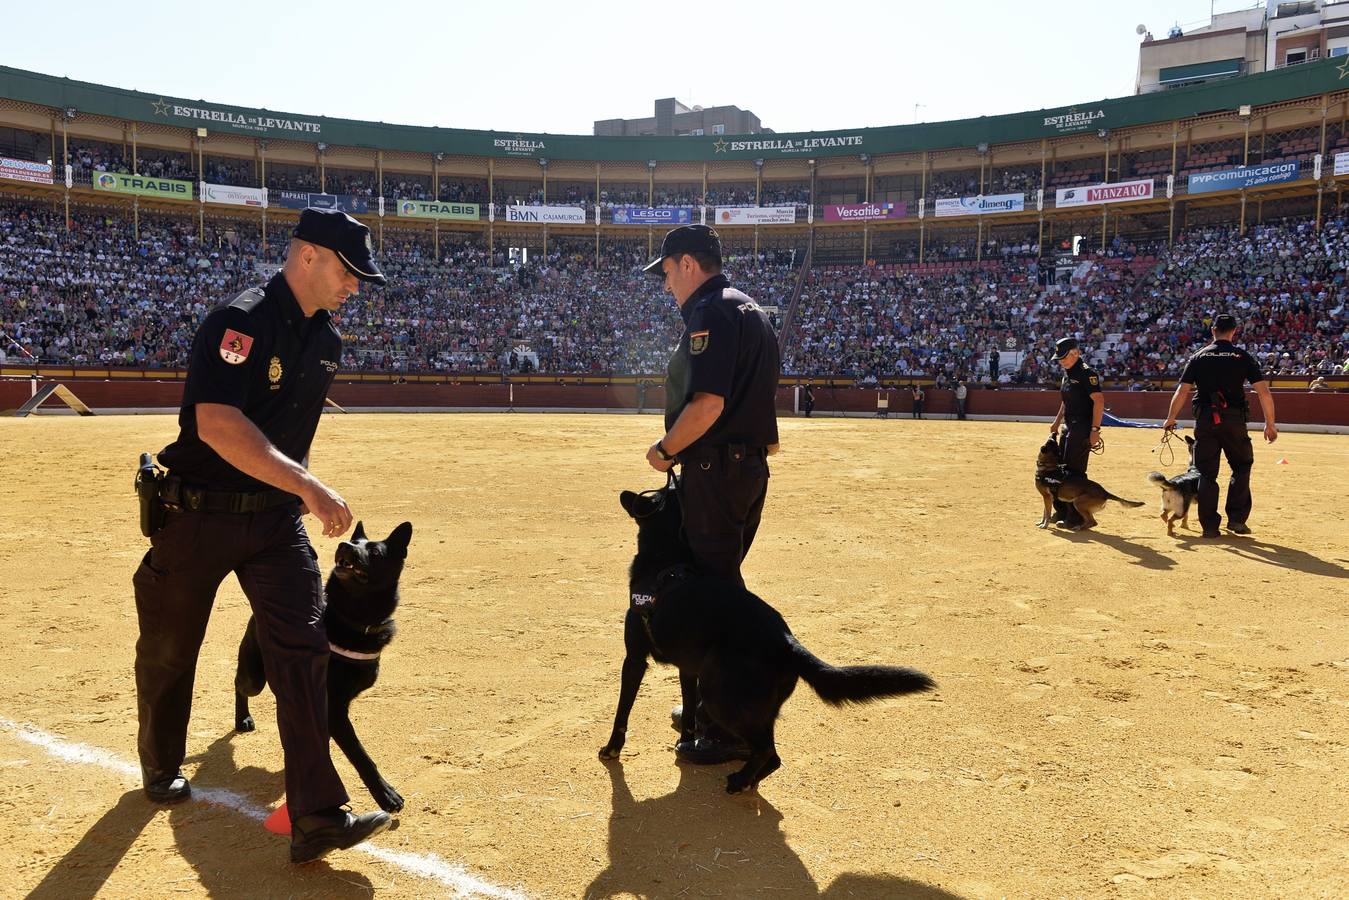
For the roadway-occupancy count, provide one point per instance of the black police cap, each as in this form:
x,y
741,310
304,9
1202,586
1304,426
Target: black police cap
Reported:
x,y
1064,346
686,239
1224,322
346,237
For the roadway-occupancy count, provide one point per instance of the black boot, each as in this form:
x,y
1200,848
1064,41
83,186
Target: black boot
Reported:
x,y
170,789
318,834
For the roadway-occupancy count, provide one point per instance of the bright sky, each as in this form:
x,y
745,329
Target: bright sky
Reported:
x,y
556,67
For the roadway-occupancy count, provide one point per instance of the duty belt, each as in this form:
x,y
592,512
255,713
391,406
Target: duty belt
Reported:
x,y
735,452
179,496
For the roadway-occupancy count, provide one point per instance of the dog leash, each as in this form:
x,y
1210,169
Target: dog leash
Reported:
x,y
1099,449
1167,456
659,494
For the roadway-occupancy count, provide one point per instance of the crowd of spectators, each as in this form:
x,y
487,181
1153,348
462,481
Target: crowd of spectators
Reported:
x,y
101,296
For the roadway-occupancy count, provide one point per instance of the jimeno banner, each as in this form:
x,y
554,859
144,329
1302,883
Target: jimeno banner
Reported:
x,y
864,212
653,215
981,206
234,196
347,203
756,215
431,209
1119,192
1243,177
547,215
117,183
23,170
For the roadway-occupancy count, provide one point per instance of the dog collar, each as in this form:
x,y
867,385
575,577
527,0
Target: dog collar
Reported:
x,y
351,654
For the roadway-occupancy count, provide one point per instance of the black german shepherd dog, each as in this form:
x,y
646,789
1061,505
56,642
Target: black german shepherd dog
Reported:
x,y
733,650
362,594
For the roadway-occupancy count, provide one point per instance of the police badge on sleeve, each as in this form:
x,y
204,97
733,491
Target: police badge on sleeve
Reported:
x,y
234,347
698,341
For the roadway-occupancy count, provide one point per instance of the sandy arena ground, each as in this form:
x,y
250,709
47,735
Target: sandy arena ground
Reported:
x,y
1120,714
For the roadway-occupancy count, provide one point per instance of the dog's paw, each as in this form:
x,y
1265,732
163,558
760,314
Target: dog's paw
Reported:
x,y
738,783
611,752
245,724
1041,524
388,799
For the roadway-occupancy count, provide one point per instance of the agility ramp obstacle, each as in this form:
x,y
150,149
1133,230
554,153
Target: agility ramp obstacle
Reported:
x,y
45,393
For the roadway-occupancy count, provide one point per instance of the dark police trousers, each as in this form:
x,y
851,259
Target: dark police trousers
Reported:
x,y
1074,454
175,589
1229,438
721,492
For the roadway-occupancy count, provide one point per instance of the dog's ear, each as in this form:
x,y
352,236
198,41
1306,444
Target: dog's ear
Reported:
x,y
628,500
359,533
400,538
1189,440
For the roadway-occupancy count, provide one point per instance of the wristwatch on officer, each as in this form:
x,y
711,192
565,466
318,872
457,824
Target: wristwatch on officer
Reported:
x,y
660,451
1097,428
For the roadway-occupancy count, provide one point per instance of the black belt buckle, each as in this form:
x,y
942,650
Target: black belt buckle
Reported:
x,y
194,498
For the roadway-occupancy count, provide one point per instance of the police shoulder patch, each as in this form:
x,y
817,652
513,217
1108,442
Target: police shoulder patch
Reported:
x,y
235,346
698,341
1093,379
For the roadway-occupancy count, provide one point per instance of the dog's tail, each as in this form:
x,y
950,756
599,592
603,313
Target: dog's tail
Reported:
x,y
1159,479
839,685
1120,500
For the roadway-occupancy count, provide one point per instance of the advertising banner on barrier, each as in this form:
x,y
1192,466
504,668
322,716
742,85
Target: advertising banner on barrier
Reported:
x,y
23,170
756,215
117,183
430,209
1341,164
346,203
547,215
234,196
1119,192
982,205
864,212
653,215
1243,177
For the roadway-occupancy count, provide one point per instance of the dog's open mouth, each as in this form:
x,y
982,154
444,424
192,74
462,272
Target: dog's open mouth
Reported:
x,y
346,568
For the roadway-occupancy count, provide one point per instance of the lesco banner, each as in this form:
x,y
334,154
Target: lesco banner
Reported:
x,y
23,170
1243,177
117,183
981,205
547,215
864,212
756,215
433,209
234,196
1119,192
653,215
346,203
1341,164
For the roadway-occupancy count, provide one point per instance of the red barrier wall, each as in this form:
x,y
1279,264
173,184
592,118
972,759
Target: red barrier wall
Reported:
x,y
1293,407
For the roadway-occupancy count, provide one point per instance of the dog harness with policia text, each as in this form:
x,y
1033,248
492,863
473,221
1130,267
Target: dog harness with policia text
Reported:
x,y
645,603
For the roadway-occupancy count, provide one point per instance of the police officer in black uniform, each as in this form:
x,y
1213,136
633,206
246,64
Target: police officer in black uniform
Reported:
x,y
720,418
1080,411
1217,377
236,487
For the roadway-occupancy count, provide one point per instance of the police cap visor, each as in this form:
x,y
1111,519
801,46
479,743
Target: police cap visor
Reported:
x,y
685,239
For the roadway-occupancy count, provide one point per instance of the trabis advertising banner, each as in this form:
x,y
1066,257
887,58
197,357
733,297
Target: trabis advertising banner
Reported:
x,y
434,209
1243,177
756,215
981,205
143,186
653,215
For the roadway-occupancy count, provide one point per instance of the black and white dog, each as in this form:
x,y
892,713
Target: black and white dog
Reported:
x,y
1178,493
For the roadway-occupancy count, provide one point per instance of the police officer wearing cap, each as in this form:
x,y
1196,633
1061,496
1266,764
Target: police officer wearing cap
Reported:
x,y
1080,412
1217,377
720,418
236,488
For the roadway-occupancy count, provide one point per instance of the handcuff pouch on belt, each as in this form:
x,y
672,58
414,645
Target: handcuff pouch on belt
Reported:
x,y
152,512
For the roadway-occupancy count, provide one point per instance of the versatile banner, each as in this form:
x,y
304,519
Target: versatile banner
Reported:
x,y
756,215
1119,192
117,183
23,170
653,215
982,205
234,196
864,212
1243,177
547,215
432,209
346,203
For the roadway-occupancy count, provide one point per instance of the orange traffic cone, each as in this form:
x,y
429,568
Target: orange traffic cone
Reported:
x,y
1282,462
279,821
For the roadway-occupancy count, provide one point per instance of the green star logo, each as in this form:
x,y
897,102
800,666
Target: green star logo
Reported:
x,y
161,108
720,145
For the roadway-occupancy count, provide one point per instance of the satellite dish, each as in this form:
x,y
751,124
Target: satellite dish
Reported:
x,y
1141,30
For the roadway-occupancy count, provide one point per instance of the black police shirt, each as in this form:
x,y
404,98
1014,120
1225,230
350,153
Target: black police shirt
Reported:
x,y
1221,368
1080,381
261,355
728,349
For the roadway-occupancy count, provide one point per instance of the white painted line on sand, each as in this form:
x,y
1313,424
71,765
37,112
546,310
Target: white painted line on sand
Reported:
x,y
425,865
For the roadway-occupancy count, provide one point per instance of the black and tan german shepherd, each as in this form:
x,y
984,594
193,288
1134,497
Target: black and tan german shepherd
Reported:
x,y
1178,493
362,594
1056,483
733,650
